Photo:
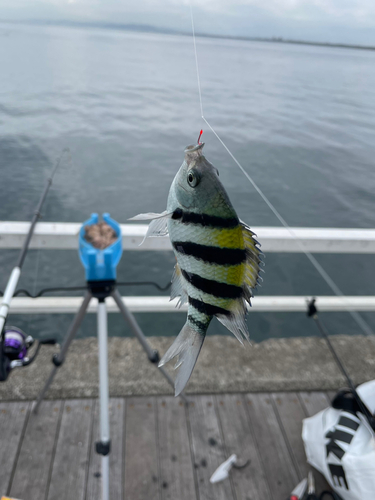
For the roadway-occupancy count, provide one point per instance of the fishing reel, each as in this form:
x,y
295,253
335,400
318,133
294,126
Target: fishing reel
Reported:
x,y
14,350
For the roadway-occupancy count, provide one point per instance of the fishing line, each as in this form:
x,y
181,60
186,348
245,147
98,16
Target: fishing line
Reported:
x,y
196,61
323,273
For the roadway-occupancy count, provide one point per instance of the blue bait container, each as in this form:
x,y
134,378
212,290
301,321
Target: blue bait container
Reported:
x,y
100,265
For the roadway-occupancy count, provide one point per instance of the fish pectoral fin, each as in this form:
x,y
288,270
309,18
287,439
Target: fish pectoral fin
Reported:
x,y
187,347
151,215
253,260
157,226
236,321
178,288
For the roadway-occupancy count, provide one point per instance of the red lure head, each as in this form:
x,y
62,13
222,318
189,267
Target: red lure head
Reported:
x,y
199,138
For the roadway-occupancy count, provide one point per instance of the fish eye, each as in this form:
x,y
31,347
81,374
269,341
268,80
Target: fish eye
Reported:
x,y
193,179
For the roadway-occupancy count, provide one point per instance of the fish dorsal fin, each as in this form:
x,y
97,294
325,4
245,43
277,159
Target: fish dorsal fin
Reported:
x,y
253,261
158,225
178,288
236,320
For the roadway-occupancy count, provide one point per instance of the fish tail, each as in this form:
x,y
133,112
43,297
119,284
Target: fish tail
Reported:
x,y
187,347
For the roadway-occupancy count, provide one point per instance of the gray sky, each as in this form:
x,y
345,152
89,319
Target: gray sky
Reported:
x,y
346,21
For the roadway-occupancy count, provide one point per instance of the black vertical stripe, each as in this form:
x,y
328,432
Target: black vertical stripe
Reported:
x,y
212,255
199,324
207,309
221,290
204,219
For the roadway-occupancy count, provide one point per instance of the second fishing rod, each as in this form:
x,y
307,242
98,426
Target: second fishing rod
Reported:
x,y
14,343
312,312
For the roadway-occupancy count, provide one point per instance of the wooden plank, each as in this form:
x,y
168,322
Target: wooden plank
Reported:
x,y
208,448
12,421
116,422
69,472
291,413
280,471
176,468
142,478
314,402
238,435
34,464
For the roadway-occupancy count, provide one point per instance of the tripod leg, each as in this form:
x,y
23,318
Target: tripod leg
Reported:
x,y
153,355
58,359
103,447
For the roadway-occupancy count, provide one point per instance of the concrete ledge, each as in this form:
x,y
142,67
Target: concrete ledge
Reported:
x,y
292,364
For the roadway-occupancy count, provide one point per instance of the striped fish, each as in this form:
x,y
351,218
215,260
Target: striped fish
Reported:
x,y
218,259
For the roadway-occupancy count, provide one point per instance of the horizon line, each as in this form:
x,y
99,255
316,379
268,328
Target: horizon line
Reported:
x,y
144,28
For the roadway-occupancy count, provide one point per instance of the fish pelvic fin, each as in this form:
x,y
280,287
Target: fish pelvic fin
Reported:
x,y
158,225
178,288
187,347
254,262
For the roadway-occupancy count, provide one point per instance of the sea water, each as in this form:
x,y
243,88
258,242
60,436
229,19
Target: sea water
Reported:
x,y
300,119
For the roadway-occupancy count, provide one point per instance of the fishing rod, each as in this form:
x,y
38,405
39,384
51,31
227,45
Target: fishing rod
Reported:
x,y
13,342
312,311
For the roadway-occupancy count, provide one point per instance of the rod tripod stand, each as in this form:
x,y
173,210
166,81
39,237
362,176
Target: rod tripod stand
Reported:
x,y
102,290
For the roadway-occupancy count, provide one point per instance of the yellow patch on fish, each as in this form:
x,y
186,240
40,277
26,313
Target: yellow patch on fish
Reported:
x,y
229,238
232,275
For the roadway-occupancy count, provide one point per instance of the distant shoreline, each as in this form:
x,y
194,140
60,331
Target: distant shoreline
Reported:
x,y
152,29
295,42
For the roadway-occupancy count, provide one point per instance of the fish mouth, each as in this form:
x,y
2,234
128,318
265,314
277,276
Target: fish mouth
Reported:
x,y
192,148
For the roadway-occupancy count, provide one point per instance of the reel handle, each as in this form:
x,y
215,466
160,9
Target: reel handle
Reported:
x,y
28,361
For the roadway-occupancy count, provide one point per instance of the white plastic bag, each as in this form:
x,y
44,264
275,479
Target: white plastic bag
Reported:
x,y
341,445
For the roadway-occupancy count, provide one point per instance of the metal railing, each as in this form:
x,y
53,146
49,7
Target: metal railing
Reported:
x,y
60,235
64,235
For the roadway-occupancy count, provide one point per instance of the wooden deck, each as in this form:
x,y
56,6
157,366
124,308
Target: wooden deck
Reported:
x,y
160,448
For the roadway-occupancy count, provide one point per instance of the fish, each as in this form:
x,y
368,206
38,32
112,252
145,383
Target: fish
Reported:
x,y
218,258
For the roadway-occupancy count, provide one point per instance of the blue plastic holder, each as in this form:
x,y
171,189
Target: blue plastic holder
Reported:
x,y
100,265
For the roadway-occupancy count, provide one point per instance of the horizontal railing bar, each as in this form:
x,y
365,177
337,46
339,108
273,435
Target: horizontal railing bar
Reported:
x,y
52,305
64,235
